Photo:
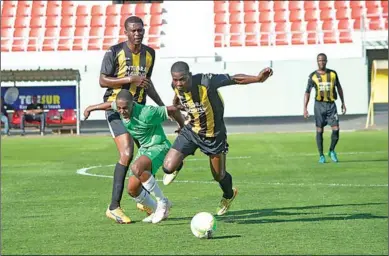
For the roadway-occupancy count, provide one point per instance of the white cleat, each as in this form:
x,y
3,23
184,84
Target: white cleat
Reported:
x,y
148,219
169,178
162,211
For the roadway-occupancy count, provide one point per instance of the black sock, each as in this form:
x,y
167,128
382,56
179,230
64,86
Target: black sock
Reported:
x,y
319,142
118,185
334,139
226,186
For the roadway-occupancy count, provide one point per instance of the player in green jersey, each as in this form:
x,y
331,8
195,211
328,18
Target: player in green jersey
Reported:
x,y
144,123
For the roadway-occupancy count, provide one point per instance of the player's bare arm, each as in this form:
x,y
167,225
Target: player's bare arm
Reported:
x,y
174,112
115,83
341,96
247,79
152,93
306,101
101,106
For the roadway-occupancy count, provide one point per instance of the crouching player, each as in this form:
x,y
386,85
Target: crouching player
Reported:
x,y
144,123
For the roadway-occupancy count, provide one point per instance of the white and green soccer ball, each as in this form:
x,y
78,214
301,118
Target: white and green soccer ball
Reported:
x,y
203,225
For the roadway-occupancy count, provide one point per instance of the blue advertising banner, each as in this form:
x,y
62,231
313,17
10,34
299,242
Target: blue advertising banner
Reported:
x,y
52,97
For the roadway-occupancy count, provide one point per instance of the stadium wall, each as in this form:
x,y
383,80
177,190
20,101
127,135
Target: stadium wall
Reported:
x,y
282,95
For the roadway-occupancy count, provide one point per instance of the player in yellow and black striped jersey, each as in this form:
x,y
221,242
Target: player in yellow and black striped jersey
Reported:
x,y
326,84
205,128
127,65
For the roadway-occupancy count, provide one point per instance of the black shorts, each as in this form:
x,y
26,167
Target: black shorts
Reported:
x,y
115,124
326,113
188,141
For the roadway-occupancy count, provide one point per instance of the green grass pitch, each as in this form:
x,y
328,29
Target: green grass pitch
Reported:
x,y
287,202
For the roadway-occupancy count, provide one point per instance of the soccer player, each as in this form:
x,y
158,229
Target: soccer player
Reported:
x,y
326,82
126,65
144,123
205,129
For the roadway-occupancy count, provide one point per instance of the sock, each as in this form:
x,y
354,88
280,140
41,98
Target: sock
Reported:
x,y
118,185
334,139
226,186
319,142
145,199
152,186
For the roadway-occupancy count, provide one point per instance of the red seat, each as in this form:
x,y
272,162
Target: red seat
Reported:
x,y
156,20
281,36
97,21
310,15
112,10
38,4
49,42
52,22
357,24
110,37
9,4
33,39
219,6
235,18
53,10
236,40
280,16
65,39
67,10
154,43
329,37
341,14
21,22
54,3
372,4
95,38
156,8
344,25
340,4
295,15
112,21
67,22
356,13
345,37
374,23
23,10
327,26
16,117
81,22
79,37
220,18
265,30
325,5
8,12
97,10
311,32
264,6
140,9
126,10
373,10
298,38
69,116
385,11
309,5
251,35
19,39
294,5
7,22
355,5
249,6
6,36
218,41
37,22
81,11
325,15
250,17
67,3
53,117
279,5
264,17
233,6
221,29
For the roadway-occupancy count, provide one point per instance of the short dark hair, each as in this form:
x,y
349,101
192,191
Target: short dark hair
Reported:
x,y
180,67
133,19
321,54
125,95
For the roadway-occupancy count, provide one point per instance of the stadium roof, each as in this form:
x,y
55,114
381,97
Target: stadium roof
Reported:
x,y
40,75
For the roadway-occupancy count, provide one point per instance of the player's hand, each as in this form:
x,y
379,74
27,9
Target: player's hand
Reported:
x,y
146,83
86,113
306,114
178,130
344,109
137,80
265,74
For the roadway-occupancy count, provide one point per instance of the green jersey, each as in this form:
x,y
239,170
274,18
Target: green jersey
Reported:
x,y
145,124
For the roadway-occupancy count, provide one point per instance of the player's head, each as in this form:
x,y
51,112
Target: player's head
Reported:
x,y
181,75
34,99
322,61
124,103
134,30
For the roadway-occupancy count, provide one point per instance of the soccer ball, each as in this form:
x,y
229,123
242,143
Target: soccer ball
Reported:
x,y
203,225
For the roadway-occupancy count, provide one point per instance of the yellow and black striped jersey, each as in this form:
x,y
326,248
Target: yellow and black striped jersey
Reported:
x,y
119,62
324,85
204,104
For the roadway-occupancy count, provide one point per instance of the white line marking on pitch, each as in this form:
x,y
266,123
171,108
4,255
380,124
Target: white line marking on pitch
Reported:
x,y
84,171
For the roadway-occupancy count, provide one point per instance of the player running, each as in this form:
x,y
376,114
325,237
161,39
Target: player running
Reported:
x,y
205,129
144,123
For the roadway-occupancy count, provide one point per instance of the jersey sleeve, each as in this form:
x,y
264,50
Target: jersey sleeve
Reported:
x,y
220,80
113,106
310,85
337,82
150,71
108,64
156,115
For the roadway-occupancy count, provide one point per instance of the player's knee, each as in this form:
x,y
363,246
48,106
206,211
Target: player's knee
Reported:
x,y
136,170
319,129
125,157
